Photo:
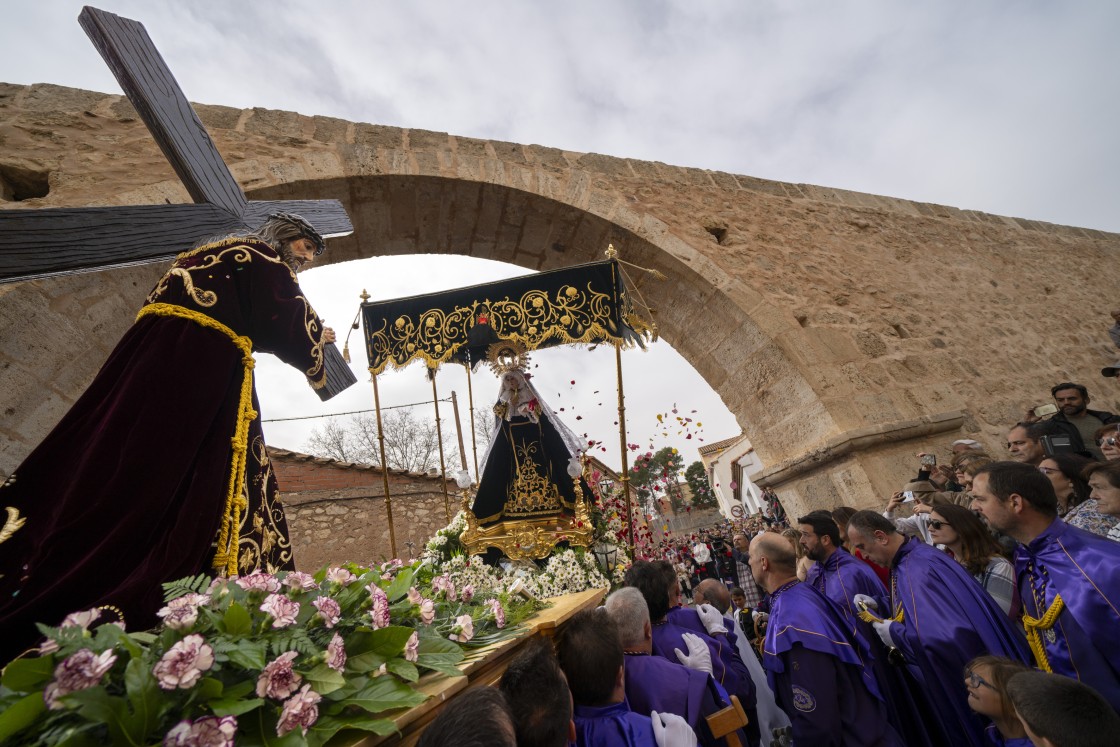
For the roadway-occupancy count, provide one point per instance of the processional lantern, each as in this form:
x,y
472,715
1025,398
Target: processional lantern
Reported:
x,y
531,492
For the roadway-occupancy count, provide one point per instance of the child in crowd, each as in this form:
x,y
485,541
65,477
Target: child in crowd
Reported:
x,y
986,679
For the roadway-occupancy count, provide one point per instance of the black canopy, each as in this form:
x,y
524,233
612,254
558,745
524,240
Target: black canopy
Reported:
x,y
583,304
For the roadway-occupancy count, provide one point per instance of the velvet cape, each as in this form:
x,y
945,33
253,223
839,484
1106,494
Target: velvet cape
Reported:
x,y
948,620
656,684
614,725
840,577
1085,569
129,489
811,650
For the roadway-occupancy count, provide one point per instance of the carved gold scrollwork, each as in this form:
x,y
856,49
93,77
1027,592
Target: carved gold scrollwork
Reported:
x,y
524,538
572,315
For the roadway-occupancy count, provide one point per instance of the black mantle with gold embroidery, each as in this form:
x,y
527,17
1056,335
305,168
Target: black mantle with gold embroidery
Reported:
x,y
130,488
583,304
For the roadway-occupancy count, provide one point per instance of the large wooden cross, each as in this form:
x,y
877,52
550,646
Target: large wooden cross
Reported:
x,y
51,241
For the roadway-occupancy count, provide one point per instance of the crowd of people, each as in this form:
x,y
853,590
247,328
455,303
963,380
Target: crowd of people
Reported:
x,y
978,607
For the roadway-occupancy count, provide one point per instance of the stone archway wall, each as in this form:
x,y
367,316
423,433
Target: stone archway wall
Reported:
x,y
844,330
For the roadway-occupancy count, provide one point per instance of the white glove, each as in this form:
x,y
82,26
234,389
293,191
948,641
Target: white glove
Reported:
x,y
712,619
670,730
866,600
883,628
699,657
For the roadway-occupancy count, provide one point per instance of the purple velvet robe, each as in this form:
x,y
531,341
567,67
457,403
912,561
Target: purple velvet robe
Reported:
x,y
1085,569
820,671
734,675
129,489
654,684
612,726
840,577
948,620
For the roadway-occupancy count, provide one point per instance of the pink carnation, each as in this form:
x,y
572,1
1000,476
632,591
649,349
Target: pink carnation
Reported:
x,y
210,731
336,653
300,581
80,671
181,613
301,710
467,592
498,612
277,680
380,612
427,611
463,630
328,610
414,596
284,611
412,648
81,619
183,664
340,576
259,582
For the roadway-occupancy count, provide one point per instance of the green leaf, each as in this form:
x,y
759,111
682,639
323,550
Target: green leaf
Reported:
x,y
144,697
23,675
18,716
443,663
249,654
325,680
404,669
208,688
402,582
385,694
327,726
95,704
237,620
234,706
241,689
364,663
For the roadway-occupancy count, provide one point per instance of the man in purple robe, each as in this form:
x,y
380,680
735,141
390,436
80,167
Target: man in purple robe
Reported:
x,y
160,469
728,670
590,654
840,577
820,670
1069,579
654,683
937,616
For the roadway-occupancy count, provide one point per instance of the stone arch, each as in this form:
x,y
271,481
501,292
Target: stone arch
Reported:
x,y
838,327
740,359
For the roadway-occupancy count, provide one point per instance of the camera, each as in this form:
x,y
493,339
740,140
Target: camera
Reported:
x,y
1052,445
929,460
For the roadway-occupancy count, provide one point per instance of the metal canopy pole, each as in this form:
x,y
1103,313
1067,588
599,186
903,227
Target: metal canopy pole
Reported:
x,y
384,469
381,446
474,440
439,437
625,476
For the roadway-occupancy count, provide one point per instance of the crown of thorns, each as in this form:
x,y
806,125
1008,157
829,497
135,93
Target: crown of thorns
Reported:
x,y
306,229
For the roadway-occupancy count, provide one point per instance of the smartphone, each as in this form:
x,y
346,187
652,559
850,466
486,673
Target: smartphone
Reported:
x,y
907,496
929,460
1044,410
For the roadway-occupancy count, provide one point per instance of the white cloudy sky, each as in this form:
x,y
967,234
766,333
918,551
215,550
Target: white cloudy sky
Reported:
x,y
1007,107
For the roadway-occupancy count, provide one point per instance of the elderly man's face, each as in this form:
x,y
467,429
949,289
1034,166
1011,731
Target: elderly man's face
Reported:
x,y
741,543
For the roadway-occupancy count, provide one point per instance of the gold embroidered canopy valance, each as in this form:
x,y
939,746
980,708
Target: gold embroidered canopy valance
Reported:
x,y
587,304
